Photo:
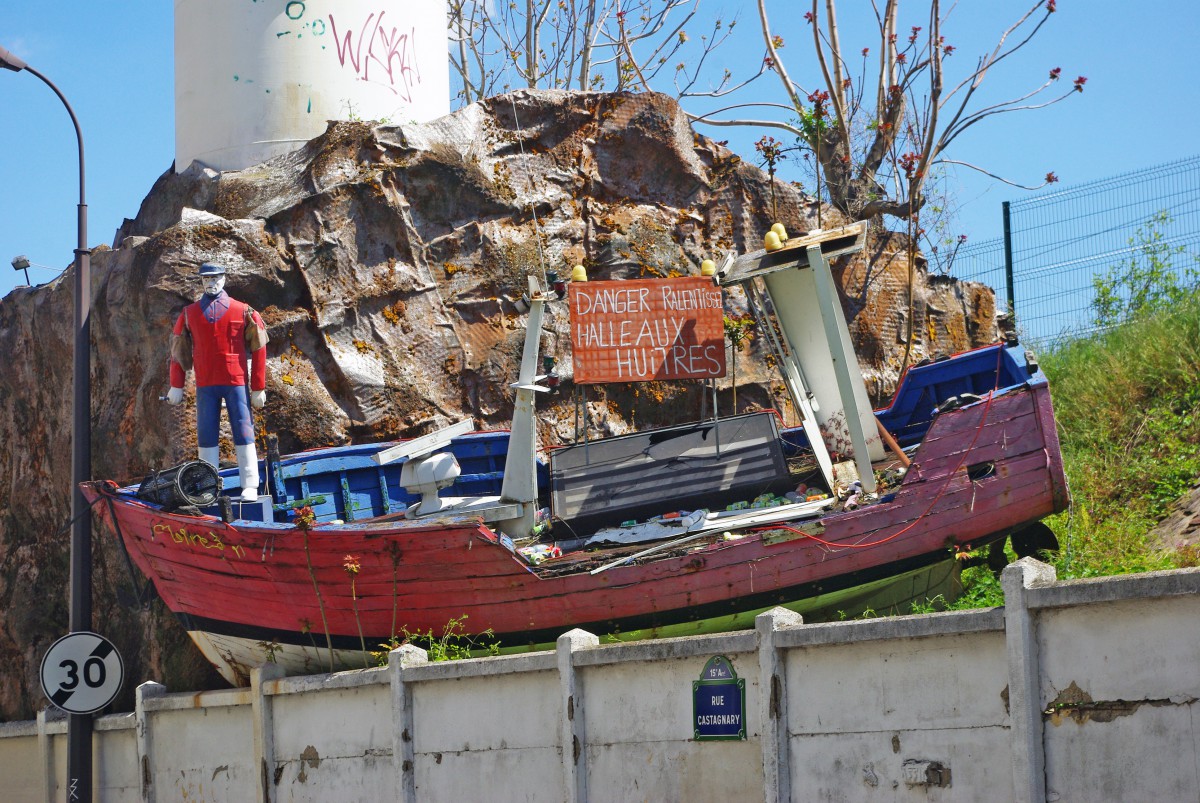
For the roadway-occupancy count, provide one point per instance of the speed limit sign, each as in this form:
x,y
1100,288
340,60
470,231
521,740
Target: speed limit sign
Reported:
x,y
82,672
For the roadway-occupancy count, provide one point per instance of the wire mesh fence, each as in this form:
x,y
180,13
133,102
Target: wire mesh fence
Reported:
x,y
1063,240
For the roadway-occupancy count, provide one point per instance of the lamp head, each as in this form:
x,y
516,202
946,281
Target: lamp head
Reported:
x,y
20,262
10,62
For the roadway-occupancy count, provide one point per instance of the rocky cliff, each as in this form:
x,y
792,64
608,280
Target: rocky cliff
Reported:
x,y
385,261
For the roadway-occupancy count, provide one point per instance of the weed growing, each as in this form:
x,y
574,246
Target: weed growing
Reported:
x,y
453,644
1127,402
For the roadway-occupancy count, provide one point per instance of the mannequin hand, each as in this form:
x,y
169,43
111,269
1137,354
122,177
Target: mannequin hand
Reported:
x,y
175,396
258,399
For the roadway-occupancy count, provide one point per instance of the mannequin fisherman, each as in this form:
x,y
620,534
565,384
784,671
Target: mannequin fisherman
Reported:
x,y
217,333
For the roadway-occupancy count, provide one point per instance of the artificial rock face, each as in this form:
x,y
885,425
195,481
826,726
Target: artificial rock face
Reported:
x,y
385,261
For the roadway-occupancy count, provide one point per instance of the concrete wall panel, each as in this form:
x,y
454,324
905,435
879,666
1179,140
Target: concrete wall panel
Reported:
x,y
652,702
203,754
933,682
114,777
21,778
1150,753
486,713
871,766
676,770
519,775
1122,650
320,763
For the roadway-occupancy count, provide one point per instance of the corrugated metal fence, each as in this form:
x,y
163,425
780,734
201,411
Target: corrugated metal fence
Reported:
x,y
1061,239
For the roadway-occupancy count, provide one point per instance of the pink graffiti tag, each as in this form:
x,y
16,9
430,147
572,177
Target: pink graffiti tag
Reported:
x,y
390,49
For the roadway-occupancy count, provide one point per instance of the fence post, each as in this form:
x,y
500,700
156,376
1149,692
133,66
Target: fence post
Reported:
x,y
46,749
773,703
573,727
144,692
403,732
1024,678
1008,264
264,728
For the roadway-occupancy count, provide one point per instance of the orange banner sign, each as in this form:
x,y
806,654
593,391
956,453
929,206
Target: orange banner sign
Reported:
x,y
638,330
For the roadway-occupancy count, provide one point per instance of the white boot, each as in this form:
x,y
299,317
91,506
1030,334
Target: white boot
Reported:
x,y
211,455
247,459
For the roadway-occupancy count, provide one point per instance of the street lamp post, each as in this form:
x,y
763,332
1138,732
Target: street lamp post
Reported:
x,y
22,262
79,726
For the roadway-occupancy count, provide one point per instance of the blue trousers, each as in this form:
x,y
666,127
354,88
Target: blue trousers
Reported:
x,y
208,414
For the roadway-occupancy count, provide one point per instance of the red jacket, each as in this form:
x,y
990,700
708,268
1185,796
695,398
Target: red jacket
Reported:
x,y
219,349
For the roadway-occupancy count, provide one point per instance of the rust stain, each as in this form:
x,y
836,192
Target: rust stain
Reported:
x,y
312,759
1074,703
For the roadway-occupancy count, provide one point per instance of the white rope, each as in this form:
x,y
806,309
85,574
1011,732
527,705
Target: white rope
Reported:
x,y
537,230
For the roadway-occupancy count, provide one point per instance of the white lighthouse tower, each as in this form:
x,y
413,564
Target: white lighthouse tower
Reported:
x,y
258,78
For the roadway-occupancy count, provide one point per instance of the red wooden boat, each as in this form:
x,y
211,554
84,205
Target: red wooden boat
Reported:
x,y
385,554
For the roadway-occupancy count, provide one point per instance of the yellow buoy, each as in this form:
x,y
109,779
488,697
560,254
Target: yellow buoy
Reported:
x,y
772,242
781,231
708,268
578,274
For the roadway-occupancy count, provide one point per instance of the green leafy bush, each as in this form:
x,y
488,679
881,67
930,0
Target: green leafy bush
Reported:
x,y
1127,401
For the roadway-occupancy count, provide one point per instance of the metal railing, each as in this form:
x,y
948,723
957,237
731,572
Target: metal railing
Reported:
x,y
1061,240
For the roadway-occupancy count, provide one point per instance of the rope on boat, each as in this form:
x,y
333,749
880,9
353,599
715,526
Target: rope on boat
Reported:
x,y
537,229
941,492
144,594
72,521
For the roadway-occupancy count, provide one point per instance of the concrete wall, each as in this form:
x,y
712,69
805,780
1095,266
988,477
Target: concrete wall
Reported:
x,y
1074,691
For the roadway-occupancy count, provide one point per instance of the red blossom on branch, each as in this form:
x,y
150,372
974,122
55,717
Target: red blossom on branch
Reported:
x,y
1079,82
901,58
769,63
809,17
1051,6
1051,178
771,149
1055,73
866,52
916,29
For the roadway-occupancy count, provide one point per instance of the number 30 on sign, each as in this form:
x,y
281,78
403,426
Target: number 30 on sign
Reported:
x,y
82,672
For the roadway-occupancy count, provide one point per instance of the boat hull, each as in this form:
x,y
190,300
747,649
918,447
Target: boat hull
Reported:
x,y
234,656
252,590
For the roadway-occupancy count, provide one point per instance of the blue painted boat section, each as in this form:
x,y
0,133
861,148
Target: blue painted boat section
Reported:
x,y
344,483
924,387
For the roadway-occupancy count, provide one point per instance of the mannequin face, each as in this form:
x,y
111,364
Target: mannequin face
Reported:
x,y
213,285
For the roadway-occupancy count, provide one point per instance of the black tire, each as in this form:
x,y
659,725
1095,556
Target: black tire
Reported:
x,y
1037,540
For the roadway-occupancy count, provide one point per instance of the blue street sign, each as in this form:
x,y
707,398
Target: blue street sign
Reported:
x,y
719,702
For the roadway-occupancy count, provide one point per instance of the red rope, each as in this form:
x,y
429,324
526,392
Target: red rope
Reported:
x,y
982,422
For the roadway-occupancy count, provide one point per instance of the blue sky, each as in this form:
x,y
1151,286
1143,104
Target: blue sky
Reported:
x,y
114,62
